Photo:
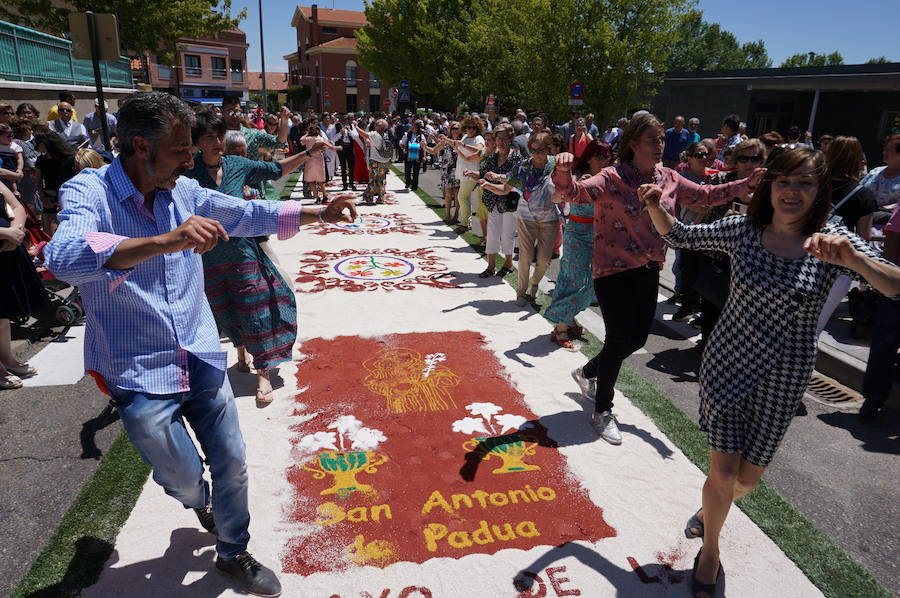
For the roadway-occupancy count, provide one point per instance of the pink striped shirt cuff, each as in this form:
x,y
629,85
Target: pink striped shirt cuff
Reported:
x,y
100,242
289,219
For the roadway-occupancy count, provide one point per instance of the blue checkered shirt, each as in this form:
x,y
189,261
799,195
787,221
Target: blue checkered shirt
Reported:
x,y
142,322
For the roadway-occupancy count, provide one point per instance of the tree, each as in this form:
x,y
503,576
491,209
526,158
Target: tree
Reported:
x,y
143,26
812,59
525,52
879,60
702,46
297,95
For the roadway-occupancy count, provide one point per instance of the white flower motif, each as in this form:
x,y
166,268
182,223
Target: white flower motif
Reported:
x,y
431,361
485,410
318,441
345,425
469,425
366,439
508,421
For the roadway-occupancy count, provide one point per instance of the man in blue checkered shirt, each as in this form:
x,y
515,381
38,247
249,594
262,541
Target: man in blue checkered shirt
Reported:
x,y
130,236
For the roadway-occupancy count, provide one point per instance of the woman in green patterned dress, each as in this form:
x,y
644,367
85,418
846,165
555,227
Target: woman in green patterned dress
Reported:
x,y
253,305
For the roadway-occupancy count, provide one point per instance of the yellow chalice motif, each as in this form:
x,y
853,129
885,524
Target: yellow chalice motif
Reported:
x,y
511,449
344,466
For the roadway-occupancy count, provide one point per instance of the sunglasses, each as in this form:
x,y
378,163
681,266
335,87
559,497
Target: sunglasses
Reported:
x,y
60,110
6,134
700,155
234,113
746,159
539,150
7,113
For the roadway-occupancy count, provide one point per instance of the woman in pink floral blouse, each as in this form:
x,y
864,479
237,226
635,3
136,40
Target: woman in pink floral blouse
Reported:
x,y
628,252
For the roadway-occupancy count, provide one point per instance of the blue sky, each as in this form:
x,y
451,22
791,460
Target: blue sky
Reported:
x,y
859,29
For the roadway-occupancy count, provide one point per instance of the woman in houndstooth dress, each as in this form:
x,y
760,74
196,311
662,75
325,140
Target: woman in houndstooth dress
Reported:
x,y
759,359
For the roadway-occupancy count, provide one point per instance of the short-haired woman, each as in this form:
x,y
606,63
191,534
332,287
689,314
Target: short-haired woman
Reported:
x,y
785,257
500,227
628,254
27,111
574,288
537,221
252,303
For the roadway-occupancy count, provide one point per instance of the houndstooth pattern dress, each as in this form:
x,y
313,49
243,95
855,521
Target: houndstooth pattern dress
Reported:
x,y
761,353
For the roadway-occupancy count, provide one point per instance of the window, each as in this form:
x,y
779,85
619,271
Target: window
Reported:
x,y
374,103
374,83
218,68
164,72
237,71
351,102
329,30
350,74
192,65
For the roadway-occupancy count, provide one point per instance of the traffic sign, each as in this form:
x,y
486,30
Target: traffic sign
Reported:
x,y
576,90
577,102
404,85
404,97
395,92
387,102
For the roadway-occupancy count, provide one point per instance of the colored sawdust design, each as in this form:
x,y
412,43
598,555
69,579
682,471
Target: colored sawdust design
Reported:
x,y
431,491
410,382
371,224
358,270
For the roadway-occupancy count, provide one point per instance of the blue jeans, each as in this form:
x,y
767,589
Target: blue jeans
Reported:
x,y
155,425
879,376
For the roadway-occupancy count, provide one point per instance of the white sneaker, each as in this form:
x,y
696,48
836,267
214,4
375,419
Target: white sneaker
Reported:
x,y
607,427
588,386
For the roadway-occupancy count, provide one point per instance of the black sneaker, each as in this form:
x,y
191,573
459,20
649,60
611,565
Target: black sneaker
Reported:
x,y
674,299
205,516
869,410
251,575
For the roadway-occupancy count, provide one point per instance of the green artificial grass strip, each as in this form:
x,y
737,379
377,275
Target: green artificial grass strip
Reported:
x,y
75,554
824,563
289,186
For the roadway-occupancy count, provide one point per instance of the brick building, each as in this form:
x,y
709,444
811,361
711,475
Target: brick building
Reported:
x,y
327,61
208,68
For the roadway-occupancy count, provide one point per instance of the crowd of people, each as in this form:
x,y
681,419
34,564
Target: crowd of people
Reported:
x,y
769,232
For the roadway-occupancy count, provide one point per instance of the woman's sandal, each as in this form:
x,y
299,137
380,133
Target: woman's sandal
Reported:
x,y
265,397
10,382
704,590
243,367
22,370
504,271
562,339
576,331
486,274
694,527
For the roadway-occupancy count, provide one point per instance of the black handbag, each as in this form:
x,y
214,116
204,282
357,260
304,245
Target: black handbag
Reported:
x,y
713,280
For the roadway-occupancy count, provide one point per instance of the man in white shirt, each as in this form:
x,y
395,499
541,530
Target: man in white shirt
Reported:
x,y
67,128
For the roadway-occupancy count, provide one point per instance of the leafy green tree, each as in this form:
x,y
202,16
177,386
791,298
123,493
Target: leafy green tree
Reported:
x,y
297,95
143,26
526,52
702,46
879,60
813,59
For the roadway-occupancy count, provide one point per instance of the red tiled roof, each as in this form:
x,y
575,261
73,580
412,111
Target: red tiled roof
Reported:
x,y
341,16
274,81
341,43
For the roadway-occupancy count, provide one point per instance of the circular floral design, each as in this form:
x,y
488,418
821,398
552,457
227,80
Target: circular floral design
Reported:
x,y
374,267
365,223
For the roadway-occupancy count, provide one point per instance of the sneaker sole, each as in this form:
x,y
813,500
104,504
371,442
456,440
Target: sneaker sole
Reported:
x,y
589,398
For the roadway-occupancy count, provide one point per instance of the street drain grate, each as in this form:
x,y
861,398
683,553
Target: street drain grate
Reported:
x,y
832,393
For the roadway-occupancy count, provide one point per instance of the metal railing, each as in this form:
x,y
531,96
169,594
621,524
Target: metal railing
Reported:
x,y
29,55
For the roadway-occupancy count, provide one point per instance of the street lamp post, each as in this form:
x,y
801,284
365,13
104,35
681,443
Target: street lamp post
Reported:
x,y
262,55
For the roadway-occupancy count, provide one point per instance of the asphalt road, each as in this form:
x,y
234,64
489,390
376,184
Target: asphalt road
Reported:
x,y
839,473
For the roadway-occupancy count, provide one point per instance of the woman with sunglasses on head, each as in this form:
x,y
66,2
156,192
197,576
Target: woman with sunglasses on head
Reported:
x,y
574,288
628,254
537,218
468,150
447,158
785,258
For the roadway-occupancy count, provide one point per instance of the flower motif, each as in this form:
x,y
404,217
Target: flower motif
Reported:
x,y
393,264
360,262
469,425
391,272
509,421
320,440
485,410
366,273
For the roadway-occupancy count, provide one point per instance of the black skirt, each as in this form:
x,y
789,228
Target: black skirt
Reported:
x,y
21,293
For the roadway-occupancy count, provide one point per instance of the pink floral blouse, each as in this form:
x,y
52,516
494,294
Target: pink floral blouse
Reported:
x,y
624,237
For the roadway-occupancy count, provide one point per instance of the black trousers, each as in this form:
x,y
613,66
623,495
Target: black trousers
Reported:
x,y
411,174
628,305
347,161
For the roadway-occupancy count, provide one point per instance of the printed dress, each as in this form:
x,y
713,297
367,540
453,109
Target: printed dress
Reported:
x,y
761,354
448,169
574,289
252,303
